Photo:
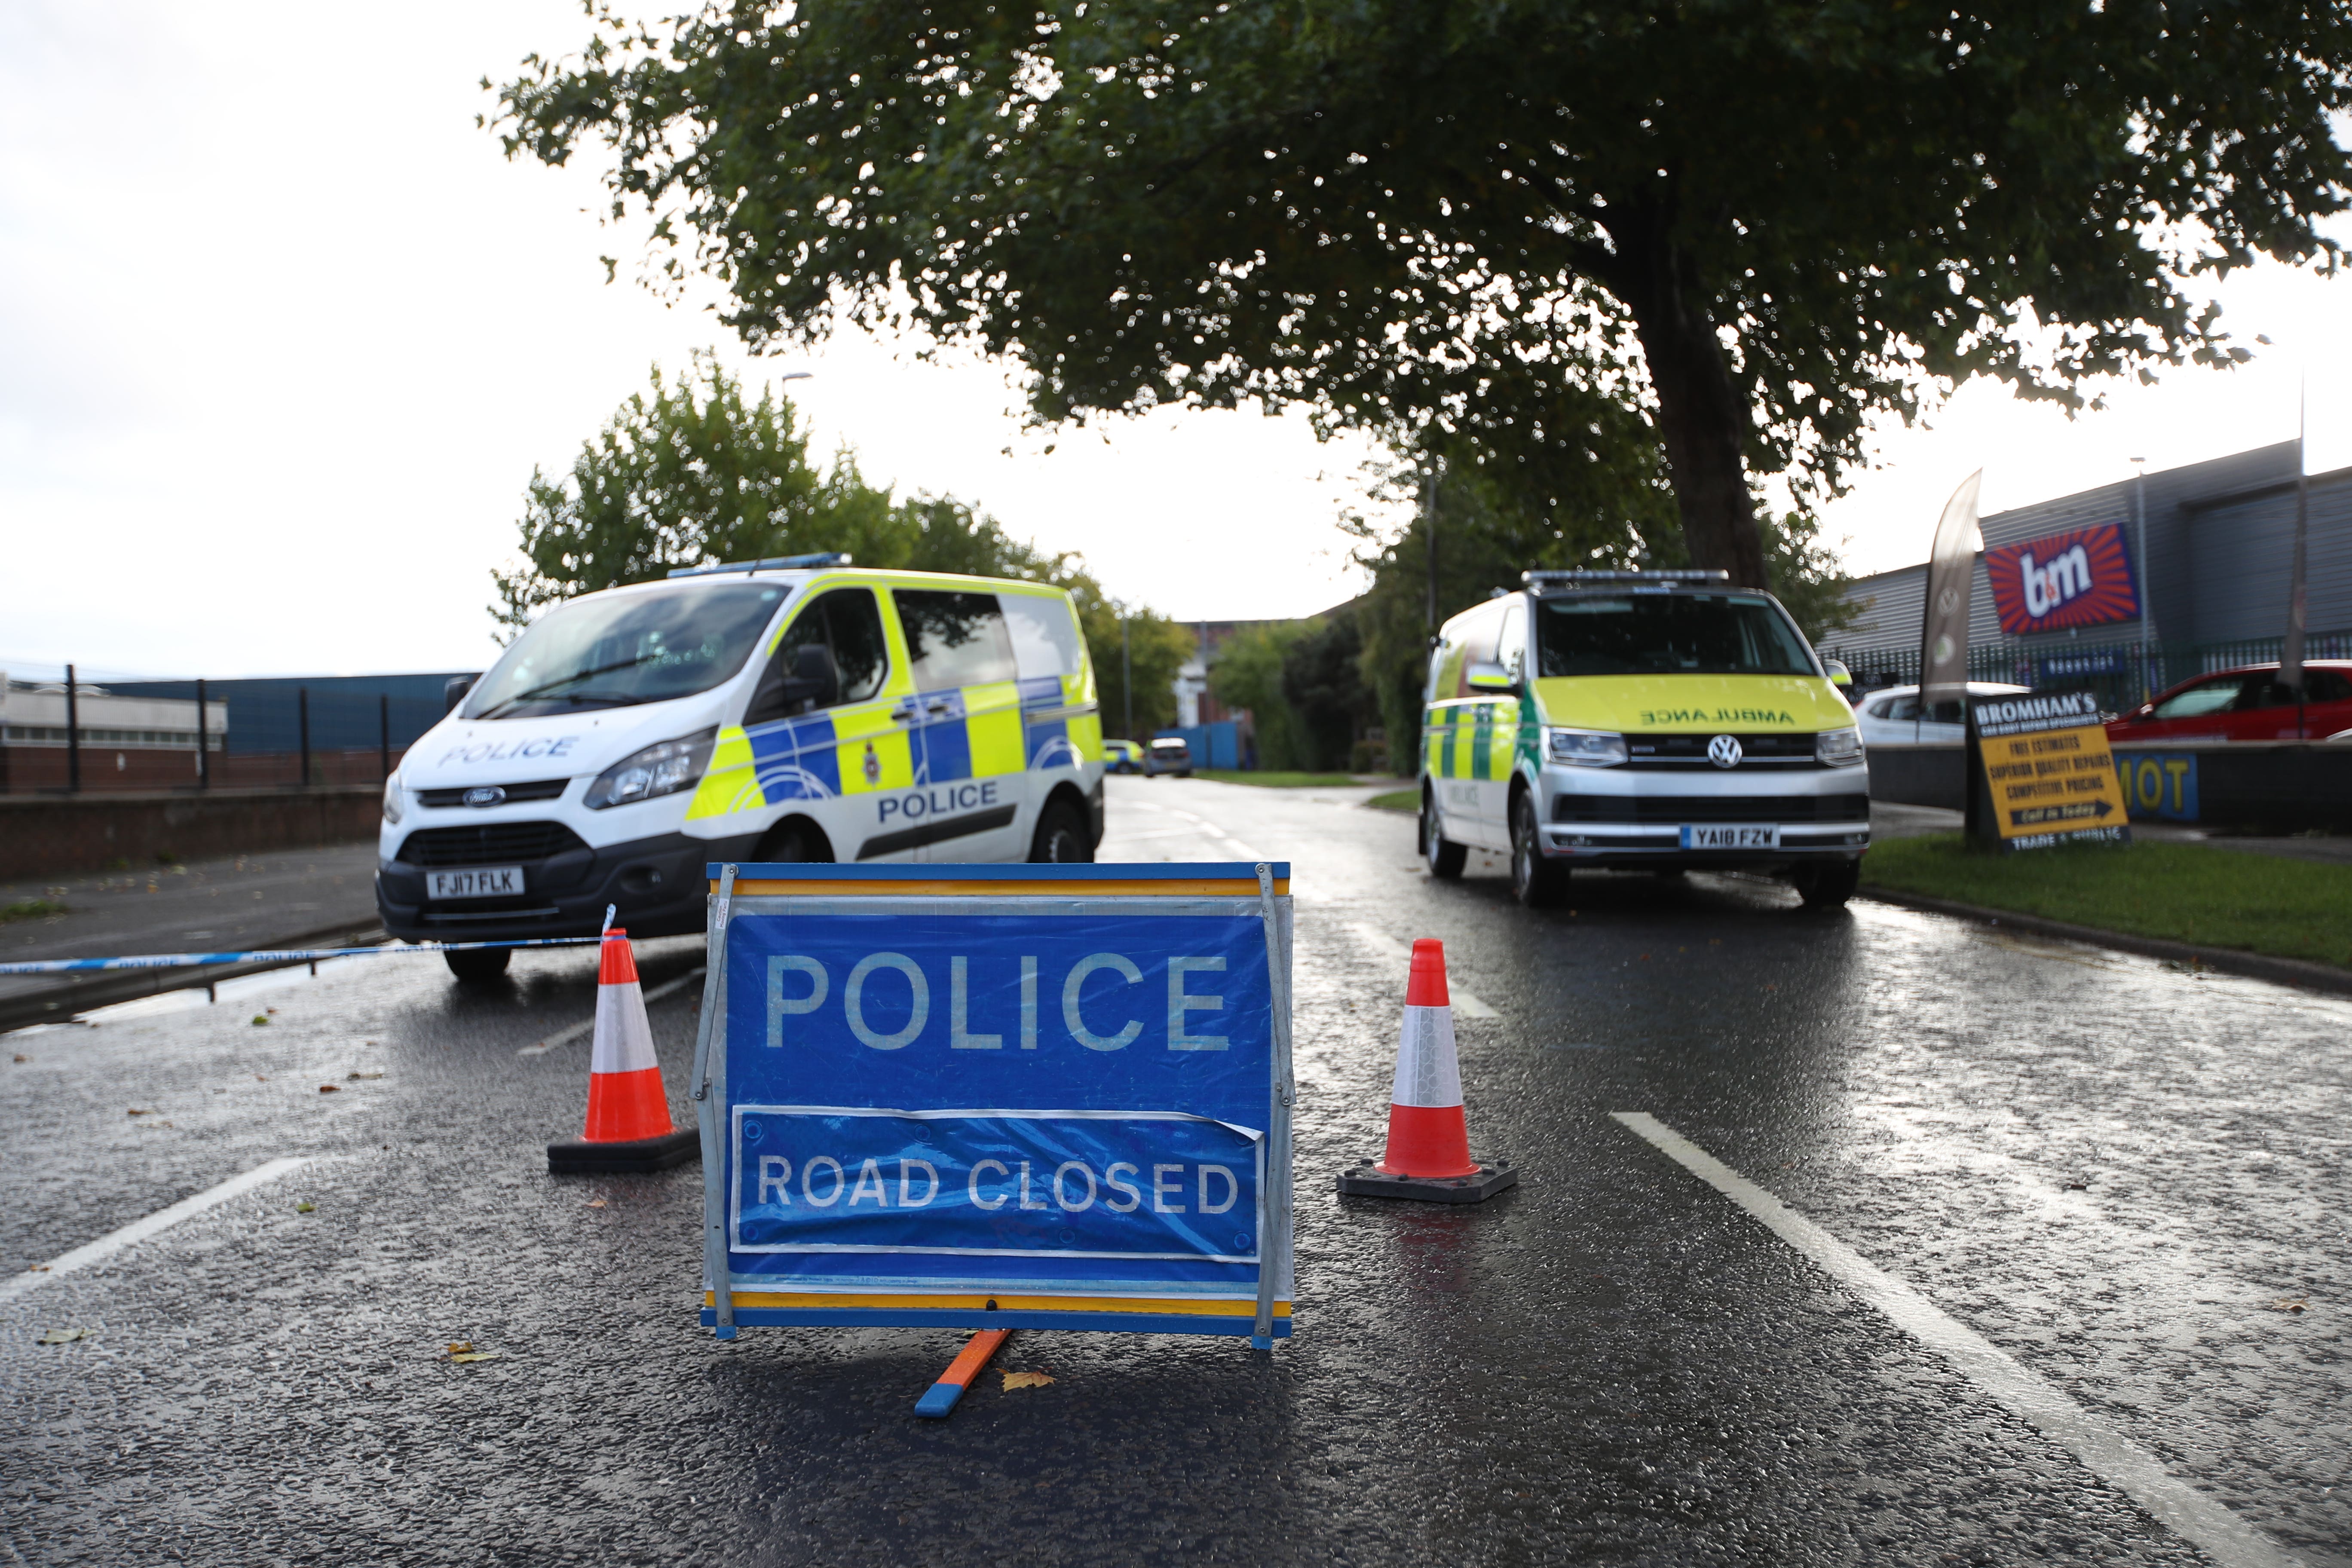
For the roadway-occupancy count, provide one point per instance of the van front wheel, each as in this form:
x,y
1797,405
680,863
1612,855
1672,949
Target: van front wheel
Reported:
x,y
478,966
1446,858
1536,881
1061,836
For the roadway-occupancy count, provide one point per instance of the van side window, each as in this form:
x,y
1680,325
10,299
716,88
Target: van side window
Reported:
x,y
955,639
1044,637
847,622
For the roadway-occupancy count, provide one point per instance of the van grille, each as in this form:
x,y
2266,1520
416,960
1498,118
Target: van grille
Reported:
x,y
539,789
490,844
1779,749
1668,809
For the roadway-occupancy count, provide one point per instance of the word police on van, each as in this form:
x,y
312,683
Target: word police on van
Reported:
x,y
799,709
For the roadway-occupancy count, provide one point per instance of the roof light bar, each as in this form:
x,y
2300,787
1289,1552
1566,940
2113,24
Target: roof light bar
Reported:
x,y
774,563
1544,579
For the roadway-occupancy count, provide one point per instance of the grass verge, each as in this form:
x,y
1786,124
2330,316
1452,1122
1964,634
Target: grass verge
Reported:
x,y
2185,892
1275,780
30,910
1397,800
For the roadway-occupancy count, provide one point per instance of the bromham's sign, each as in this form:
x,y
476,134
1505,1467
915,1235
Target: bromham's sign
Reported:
x,y
2046,776
2082,577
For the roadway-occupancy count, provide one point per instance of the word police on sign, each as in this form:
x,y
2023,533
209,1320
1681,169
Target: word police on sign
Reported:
x,y
1027,1095
2041,773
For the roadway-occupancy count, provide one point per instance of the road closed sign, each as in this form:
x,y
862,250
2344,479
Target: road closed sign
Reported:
x,y
2045,773
999,1097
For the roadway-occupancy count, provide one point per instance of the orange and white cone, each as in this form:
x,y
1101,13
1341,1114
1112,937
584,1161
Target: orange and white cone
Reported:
x,y
628,1126
1428,1154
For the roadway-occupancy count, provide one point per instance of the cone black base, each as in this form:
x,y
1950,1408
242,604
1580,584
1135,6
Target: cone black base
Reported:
x,y
1369,1181
637,1154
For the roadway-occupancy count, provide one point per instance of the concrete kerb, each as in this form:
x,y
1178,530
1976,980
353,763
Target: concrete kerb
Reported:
x,y
2229,961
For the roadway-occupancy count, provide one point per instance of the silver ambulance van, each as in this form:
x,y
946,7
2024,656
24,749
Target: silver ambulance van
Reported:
x,y
792,710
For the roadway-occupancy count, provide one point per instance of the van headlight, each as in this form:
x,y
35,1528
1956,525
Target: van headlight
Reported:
x,y
1585,748
665,769
1838,748
392,800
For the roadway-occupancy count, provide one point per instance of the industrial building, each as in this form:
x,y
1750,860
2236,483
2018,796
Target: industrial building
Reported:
x,y
2132,586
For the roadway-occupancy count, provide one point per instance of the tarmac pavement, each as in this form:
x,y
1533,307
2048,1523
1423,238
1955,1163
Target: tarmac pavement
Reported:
x,y
2122,1176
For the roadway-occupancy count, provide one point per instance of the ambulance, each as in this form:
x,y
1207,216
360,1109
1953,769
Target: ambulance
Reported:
x,y
797,708
1639,721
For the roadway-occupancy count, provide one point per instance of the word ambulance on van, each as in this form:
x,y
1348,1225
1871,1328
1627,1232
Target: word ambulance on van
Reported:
x,y
796,708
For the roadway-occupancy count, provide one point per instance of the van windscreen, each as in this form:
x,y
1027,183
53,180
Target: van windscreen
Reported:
x,y
626,649
1667,634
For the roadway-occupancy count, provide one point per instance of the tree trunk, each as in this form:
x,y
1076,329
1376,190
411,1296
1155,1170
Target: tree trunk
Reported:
x,y
1700,413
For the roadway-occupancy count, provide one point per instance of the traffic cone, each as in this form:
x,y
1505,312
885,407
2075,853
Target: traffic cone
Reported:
x,y
1428,1155
628,1126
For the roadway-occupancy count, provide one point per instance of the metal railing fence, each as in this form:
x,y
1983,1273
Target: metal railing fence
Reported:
x,y
63,731
2123,673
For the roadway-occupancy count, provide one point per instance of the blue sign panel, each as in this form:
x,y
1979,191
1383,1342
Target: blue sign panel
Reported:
x,y
2159,784
1035,1094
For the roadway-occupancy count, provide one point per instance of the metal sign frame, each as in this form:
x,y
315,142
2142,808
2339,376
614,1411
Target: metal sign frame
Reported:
x,y
1226,889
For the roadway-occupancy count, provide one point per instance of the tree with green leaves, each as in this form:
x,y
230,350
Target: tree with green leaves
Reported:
x,y
1594,244
694,472
1247,675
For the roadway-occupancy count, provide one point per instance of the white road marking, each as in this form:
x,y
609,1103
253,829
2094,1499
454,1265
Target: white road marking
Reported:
x,y
105,1246
1465,1006
2180,1507
565,1037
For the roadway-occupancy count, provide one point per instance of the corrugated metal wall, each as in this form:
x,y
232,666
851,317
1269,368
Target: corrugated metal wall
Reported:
x,y
2219,535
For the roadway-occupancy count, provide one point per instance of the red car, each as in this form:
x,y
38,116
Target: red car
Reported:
x,y
2248,704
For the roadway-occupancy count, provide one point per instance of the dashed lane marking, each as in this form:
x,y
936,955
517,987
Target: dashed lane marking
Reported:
x,y
1465,1006
2105,1452
163,1219
565,1037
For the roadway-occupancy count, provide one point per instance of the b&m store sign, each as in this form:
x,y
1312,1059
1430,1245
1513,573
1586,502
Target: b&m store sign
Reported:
x,y
2082,577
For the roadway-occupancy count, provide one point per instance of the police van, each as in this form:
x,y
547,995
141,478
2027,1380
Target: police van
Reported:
x,y
1657,721
798,708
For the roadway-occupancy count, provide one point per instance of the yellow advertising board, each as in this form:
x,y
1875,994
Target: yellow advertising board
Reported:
x,y
2047,775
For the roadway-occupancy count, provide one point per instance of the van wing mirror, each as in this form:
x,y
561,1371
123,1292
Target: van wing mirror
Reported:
x,y
1484,676
454,689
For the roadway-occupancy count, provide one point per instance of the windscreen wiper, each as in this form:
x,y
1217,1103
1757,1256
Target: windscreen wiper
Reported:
x,y
552,685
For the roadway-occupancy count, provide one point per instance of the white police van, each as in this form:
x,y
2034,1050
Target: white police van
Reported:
x,y
799,709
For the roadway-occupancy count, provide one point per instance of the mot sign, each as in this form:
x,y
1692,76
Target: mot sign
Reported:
x,y
2042,772
996,1097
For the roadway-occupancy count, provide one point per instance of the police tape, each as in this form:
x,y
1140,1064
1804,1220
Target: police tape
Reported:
x,y
271,956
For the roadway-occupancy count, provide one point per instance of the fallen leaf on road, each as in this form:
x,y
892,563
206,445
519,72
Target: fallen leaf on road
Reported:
x,y
135,1110
2291,1304
64,1336
330,1089
22,1058
362,1074
461,1347
595,1203
1026,1380
467,1357
261,1017
305,1206
38,1268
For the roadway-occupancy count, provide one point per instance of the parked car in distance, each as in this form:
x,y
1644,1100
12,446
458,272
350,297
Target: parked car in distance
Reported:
x,y
2250,703
1168,756
1122,757
1892,717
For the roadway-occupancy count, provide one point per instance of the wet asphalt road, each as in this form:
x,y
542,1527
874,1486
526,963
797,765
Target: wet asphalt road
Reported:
x,y
2116,1172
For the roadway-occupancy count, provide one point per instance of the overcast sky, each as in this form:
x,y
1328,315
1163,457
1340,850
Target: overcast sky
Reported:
x,y
283,336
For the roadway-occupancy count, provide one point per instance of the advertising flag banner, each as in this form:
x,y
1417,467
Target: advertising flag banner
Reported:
x,y
1951,575
2082,577
2044,772
1000,1097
